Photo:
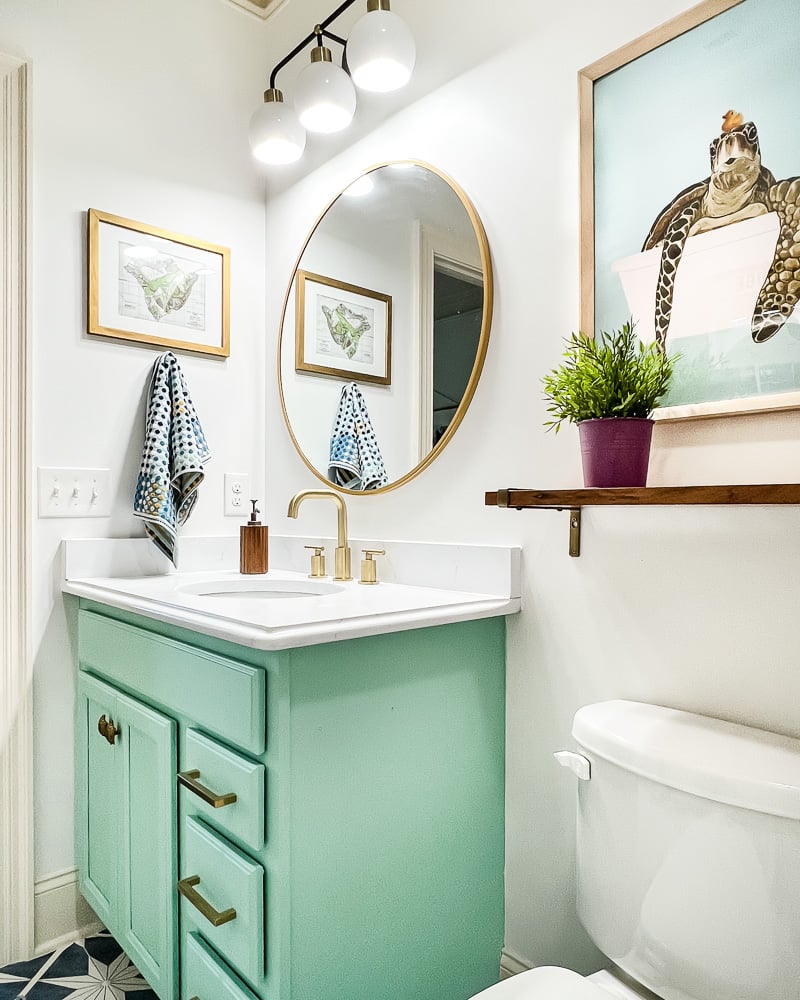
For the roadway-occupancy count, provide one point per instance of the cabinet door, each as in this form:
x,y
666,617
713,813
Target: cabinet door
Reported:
x,y
127,826
98,829
148,796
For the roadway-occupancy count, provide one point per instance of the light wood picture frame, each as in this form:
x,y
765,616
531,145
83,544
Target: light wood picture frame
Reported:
x,y
157,287
650,113
342,329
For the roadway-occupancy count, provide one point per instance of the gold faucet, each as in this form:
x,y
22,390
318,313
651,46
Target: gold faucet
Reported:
x,y
342,556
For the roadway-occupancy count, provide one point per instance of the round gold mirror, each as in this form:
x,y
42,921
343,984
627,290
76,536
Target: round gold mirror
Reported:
x,y
385,328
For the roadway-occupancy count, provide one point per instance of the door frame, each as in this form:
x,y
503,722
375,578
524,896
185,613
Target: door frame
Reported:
x,y
16,661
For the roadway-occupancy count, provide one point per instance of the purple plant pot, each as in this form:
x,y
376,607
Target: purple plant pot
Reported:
x,y
615,451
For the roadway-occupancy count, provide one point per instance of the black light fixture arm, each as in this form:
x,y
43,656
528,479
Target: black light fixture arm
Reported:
x,y
317,34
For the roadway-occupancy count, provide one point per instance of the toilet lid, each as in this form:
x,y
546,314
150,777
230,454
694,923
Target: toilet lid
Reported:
x,y
545,983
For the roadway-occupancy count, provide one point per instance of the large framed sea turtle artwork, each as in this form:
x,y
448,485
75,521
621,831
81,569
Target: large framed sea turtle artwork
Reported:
x,y
690,202
157,287
342,329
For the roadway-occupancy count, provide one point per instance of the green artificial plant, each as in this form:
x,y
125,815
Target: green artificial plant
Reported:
x,y
613,375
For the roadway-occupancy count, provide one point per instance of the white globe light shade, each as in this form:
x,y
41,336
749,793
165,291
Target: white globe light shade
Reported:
x,y
324,97
380,52
276,136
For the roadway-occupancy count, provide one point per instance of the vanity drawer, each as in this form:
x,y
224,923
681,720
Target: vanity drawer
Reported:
x,y
211,771
222,886
180,678
205,977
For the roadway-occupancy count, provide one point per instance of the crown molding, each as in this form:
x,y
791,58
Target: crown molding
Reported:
x,y
261,8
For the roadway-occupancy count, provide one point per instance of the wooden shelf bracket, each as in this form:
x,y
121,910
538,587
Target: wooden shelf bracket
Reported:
x,y
575,499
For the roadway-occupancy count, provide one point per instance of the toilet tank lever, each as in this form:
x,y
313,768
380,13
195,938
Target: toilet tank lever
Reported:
x,y
576,762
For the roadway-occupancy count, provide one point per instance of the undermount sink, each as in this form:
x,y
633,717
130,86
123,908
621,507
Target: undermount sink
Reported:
x,y
260,590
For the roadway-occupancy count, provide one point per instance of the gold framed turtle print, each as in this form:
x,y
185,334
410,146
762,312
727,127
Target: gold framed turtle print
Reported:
x,y
342,329
690,202
157,287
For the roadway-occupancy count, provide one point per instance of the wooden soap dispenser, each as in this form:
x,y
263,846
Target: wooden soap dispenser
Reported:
x,y
253,544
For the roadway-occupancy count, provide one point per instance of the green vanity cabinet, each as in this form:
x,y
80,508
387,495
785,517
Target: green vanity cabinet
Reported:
x,y
127,821
331,817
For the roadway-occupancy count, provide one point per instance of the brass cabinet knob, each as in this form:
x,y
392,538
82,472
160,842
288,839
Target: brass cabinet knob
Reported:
x,y
107,729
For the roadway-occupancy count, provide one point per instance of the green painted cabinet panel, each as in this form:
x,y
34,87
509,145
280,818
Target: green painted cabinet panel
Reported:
x,y
97,793
229,880
225,774
127,826
184,679
205,977
364,855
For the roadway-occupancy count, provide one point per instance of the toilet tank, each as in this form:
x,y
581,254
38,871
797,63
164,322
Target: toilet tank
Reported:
x,y
688,851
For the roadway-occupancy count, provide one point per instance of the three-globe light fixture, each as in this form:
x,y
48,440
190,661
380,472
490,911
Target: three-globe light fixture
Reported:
x,y
378,56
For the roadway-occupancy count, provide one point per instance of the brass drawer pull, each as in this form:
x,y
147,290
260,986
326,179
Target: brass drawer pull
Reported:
x,y
189,780
107,729
186,887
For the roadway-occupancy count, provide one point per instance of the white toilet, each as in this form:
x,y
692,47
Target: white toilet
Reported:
x,y
688,859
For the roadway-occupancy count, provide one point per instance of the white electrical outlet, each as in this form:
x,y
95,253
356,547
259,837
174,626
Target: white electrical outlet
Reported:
x,y
74,492
237,494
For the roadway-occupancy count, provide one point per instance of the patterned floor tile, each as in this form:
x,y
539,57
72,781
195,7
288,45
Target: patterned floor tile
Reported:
x,y
26,970
94,969
72,961
47,991
103,947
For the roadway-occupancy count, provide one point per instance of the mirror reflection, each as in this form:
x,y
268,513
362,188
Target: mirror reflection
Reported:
x,y
385,327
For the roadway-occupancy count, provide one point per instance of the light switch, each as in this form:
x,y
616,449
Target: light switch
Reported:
x,y
74,492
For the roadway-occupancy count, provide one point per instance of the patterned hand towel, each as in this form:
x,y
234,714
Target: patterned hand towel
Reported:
x,y
175,451
355,458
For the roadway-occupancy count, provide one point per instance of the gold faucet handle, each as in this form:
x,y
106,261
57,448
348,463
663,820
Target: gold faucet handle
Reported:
x,y
317,560
369,568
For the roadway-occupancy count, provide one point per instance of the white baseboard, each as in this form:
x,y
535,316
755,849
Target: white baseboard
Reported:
x,y
511,964
60,913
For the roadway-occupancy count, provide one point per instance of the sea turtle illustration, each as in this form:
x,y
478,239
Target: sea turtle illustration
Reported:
x,y
739,187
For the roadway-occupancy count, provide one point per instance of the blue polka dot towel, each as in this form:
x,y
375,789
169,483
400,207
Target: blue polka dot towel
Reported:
x,y
355,458
173,458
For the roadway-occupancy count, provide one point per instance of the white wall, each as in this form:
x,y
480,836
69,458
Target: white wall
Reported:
x,y
688,607
140,110
691,607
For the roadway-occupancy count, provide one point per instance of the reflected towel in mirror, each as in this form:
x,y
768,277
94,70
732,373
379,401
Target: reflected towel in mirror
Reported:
x,y
355,461
175,452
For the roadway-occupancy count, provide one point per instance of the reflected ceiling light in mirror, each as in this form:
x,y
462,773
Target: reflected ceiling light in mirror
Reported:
x,y
379,55
325,99
380,49
360,187
276,136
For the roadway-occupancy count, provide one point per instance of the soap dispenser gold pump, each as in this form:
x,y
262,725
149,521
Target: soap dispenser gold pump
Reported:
x,y
253,544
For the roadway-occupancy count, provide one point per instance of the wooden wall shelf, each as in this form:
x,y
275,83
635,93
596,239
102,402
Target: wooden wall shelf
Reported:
x,y
574,500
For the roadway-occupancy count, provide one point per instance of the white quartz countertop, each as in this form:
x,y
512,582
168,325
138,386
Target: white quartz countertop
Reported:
x,y
350,611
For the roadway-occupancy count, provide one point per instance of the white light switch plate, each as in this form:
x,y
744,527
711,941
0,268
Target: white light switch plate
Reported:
x,y
74,492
